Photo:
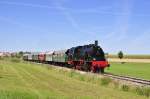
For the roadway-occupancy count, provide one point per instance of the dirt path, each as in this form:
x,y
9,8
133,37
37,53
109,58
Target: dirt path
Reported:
x,y
129,60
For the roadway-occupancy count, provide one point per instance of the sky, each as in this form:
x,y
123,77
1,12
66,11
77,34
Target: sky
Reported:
x,y
46,25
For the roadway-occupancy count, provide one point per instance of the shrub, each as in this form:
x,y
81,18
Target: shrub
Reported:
x,y
125,87
105,81
139,91
143,91
15,60
147,92
1,58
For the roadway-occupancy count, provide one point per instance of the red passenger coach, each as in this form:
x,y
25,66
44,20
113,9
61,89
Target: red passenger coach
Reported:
x,y
41,57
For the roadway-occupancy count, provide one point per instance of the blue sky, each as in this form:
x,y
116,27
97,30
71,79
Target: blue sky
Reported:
x,y
43,25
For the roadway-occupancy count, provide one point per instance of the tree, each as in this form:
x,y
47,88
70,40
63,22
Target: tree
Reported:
x,y
21,53
120,54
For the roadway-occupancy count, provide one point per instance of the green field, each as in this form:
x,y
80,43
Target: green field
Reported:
x,y
140,70
130,56
31,81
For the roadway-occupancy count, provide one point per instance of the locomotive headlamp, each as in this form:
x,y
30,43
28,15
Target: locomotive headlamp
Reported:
x,y
94,59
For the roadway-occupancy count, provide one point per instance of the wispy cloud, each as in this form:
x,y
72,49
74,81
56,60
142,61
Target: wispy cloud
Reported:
x,y
122,18
121,25
67,13
68,16
2,18
57,6
27,4
18,24
96,10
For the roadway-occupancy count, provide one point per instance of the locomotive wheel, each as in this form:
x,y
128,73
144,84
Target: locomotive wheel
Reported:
x,y
93,69
86,67
78,67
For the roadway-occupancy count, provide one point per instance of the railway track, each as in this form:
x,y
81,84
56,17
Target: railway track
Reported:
x,y
129,79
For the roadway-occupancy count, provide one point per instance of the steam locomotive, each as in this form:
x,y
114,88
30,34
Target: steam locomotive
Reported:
x,y
87,58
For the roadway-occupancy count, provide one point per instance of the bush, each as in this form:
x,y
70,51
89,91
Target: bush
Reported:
x,y
143,91
1,58
125,87
146,92
105,81
15,60
139,91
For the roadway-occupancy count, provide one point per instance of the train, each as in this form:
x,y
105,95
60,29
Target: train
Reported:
x,y
90,58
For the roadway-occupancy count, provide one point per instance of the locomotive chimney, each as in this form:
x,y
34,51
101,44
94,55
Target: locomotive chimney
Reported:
x,y
96,42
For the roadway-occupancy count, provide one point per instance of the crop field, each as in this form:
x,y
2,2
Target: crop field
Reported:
x,y
22,80
131,56
129,60
140,70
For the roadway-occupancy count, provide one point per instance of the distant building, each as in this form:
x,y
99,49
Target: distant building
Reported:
x,y
3,54
14,54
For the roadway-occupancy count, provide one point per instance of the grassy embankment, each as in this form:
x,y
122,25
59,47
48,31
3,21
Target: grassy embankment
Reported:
x,y
22,80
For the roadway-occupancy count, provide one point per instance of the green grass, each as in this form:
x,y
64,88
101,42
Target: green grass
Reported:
x,y
22,80
140,70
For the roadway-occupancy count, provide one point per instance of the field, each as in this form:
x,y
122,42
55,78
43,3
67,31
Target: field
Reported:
x,y
129,60
130,56
22,80
140,70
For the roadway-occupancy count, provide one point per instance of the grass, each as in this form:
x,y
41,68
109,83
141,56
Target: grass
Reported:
x,y
140,70
22,80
